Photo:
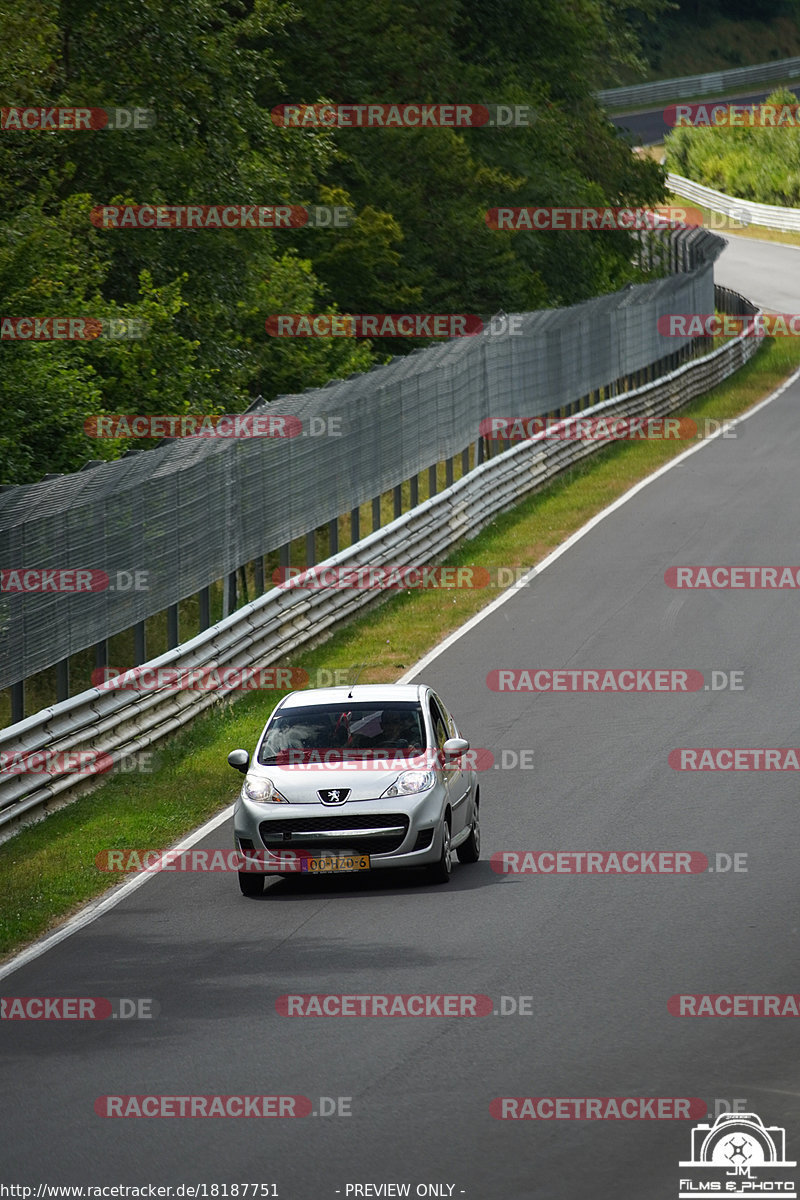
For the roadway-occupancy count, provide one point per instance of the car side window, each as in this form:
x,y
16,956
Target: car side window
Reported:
x,y
452,728
440,730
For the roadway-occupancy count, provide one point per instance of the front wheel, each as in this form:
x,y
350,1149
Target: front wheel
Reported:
x,y
470,850
441,871
251,883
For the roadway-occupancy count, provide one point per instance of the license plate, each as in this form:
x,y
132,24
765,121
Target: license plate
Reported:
x,y
331,863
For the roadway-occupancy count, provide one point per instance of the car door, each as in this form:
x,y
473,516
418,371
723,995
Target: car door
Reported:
x,y
456,779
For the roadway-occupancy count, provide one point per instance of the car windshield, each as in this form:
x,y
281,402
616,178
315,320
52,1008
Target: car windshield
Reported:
x,y
343,731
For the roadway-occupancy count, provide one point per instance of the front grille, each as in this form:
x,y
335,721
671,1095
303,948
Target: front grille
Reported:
x,y
299,832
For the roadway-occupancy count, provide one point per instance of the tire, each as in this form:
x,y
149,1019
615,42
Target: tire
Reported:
x,y
470,850
251,883
441,871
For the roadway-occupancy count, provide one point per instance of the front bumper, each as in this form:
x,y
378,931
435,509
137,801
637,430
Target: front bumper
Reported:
x,y
406,834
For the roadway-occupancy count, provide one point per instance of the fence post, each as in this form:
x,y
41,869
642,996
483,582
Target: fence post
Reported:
x,y
62,680
204,613
173,639
140,641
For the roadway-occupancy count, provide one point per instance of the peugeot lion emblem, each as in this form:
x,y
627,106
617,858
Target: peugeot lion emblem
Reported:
x,y
333,795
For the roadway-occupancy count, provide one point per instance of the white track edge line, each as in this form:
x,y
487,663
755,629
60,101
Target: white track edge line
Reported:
x,y
96,908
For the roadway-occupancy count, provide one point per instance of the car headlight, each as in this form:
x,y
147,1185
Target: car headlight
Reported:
x,y
409,782
263,791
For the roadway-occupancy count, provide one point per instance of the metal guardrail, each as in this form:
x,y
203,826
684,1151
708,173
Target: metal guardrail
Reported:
x,y
770,216
711,84
119,723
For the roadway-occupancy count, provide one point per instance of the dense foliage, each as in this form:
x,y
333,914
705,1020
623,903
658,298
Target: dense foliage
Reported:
x,y
212,73
753,163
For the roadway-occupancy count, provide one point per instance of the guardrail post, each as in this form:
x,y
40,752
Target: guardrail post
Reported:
x,y
432,480
465,461
376,513
398,501
311,548
449,477
355,525
258,570
414,481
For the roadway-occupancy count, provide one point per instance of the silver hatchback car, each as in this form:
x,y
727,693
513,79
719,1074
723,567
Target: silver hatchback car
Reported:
x,y
352,779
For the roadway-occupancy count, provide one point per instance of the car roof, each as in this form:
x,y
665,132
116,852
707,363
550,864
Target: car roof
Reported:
x,y
365,693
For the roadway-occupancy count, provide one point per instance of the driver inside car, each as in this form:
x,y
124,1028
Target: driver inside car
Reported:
x,y
399,731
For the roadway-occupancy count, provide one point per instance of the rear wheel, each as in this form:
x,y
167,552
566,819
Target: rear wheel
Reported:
x,y
470,850
251,883
441,871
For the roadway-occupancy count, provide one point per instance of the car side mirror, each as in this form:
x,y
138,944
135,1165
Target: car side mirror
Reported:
x,y
239,760
454,747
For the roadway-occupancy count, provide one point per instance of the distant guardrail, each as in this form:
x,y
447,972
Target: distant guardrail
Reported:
x,y
117,724
770,216
711,84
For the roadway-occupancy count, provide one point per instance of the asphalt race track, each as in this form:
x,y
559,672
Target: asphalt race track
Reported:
x,y
599,955
648,126
768,273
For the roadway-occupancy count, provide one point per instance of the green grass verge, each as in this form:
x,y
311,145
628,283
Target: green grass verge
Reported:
x,y
49,871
